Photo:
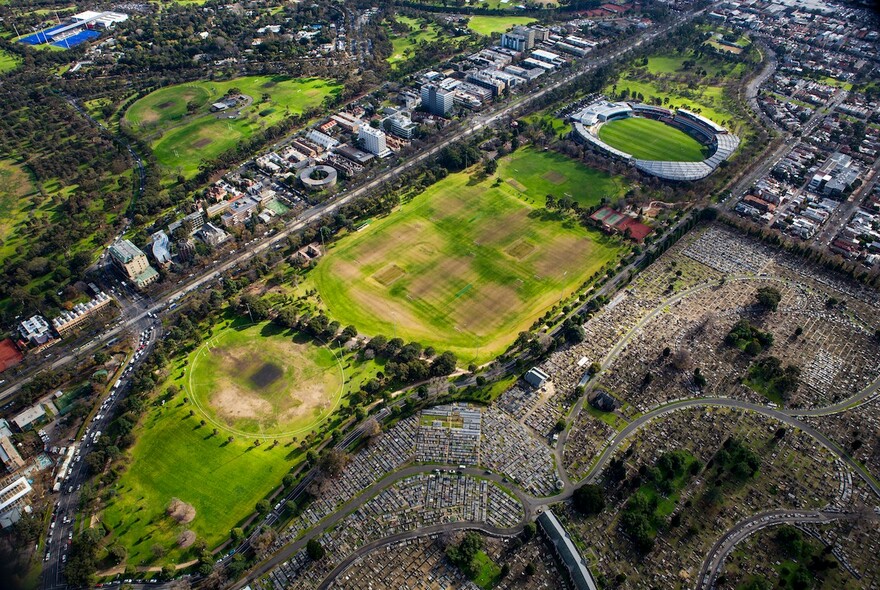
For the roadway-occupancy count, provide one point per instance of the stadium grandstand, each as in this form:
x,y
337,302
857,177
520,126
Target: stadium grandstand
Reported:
x,y
80,28
722,144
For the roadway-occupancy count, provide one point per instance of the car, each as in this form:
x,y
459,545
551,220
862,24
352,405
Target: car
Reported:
x,y
47,556
64,558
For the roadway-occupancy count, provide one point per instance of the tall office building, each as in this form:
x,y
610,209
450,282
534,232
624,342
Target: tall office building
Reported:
x,y
373,140
518,39
437,100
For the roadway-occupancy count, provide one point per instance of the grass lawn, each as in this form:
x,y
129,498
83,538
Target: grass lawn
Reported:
x,y
647,139
176,457
8,62
488,572
706,100
183,133
534,174
15,188
404,45
486,25
471,261
257,380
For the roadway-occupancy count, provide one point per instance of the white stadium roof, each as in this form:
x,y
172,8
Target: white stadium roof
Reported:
x,y
600,111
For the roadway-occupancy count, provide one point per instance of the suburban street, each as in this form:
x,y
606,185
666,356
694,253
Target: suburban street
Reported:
x,y
64,525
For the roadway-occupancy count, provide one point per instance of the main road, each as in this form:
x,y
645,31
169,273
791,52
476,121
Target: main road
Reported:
x,y
465,130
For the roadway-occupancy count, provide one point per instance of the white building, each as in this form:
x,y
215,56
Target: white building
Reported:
x,y
35,330
373,141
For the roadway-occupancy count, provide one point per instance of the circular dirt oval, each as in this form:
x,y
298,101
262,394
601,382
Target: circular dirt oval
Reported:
x,y
259,381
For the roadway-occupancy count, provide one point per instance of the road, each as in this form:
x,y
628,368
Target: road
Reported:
x,y
463,131
63,525
529,505
786,143
400,537
844,212
724,546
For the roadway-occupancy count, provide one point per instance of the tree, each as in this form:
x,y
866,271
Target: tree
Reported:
x,y
589,499
699,378
117,553
768,298
594,368
490,167
444,364
263,506
464,554
168,571
333,462
315,550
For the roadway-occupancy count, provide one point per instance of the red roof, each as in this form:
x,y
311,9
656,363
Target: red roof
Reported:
x,y
9,354
637,231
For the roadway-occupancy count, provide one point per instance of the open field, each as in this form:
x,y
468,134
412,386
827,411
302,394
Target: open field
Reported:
x,y
550,173
15,187
403,45
182,133
7,62
648,139
467,264
486,25
254,380
176,457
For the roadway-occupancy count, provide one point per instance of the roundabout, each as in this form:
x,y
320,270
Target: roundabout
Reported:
x,y
257,381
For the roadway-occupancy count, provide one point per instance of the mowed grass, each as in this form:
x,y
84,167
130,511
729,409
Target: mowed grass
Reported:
x,y
258,380
183,133
647,139
549,173
176,457
467,264
403,46
486,25
8,62
15,187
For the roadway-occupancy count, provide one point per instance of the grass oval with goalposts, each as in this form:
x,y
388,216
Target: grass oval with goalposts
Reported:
x,y
647,139
259,381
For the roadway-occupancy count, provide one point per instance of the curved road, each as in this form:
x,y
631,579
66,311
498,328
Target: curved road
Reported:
x,y
529,505
439,528
724,546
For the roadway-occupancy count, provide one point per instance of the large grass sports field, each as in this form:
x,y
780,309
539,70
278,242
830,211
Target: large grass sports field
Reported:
x,y
486,25
176,457
182,131
647,139
250,383
471,261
